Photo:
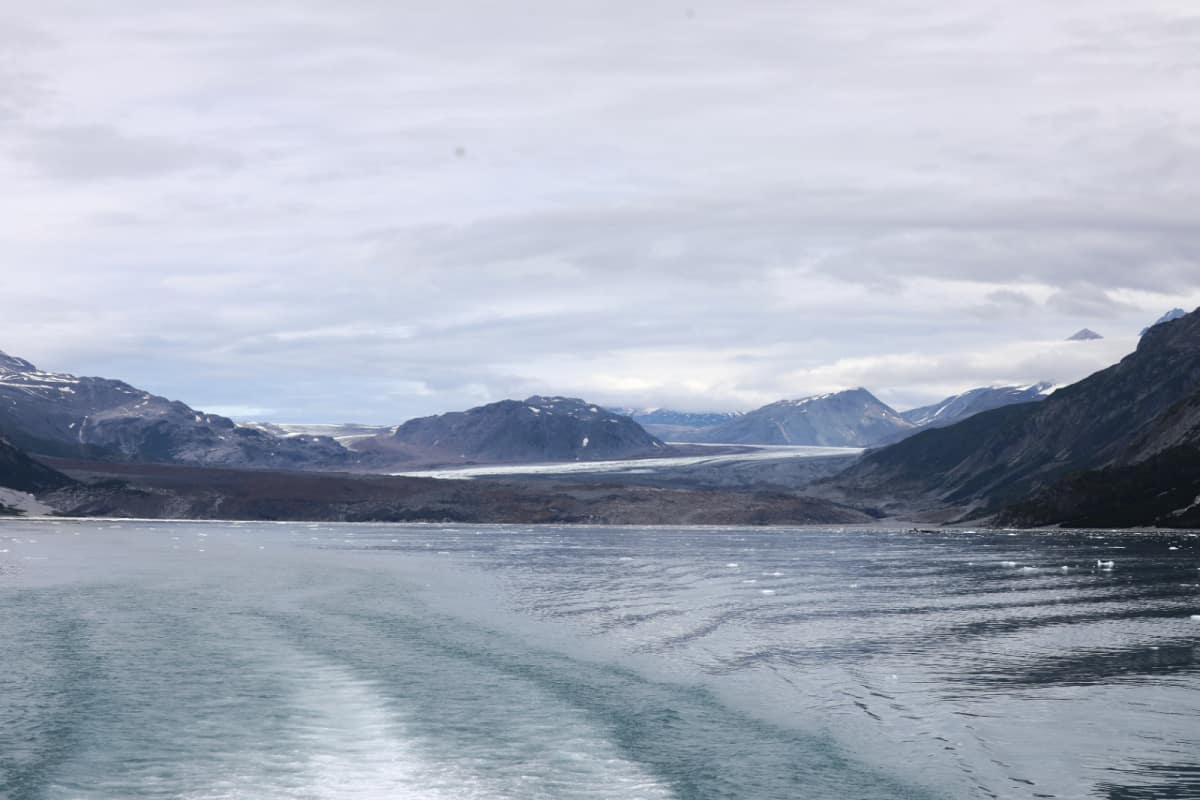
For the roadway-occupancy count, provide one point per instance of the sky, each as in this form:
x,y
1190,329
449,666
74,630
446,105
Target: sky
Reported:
x,y
371,210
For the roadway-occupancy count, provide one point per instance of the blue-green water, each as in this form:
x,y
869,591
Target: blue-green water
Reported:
x,y
205,660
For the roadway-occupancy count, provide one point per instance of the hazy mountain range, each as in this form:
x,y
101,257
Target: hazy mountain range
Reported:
x,y
66,416
1121,447
852,418
675,425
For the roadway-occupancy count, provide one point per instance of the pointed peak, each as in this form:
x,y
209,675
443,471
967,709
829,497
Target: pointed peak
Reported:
x,y
856,393
1170,316
1084,335
14,364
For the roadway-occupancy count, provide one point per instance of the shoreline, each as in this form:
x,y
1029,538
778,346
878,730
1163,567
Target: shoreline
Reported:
x,y
890,526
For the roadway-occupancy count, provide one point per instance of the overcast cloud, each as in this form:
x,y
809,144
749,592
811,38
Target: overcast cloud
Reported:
x,y
370,210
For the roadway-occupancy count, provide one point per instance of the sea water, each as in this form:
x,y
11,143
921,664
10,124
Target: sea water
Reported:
x,y
251,660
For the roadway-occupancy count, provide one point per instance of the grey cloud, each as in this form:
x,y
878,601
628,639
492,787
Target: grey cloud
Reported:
x,y
1086,301
1011,298
1003,304
95,152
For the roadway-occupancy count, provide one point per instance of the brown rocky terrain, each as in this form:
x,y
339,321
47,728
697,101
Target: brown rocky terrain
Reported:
x,y
156,491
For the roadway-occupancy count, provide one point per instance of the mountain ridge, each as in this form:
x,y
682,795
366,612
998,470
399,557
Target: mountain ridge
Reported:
x,y
60,414
1112,418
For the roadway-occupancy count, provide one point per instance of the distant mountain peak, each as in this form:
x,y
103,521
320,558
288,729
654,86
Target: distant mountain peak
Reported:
x,y
1084,335
960,406
1173,314
857,393
538,428
849,418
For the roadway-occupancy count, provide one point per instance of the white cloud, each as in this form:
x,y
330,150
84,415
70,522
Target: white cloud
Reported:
x,y
369,211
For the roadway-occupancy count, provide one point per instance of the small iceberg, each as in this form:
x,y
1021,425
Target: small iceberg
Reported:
x,y
1105,565
1009,564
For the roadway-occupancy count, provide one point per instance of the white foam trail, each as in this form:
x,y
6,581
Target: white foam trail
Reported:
x,y
357,749
345,745
349,744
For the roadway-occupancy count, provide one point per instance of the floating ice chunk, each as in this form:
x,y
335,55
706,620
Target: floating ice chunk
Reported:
x,y
1009,564
1064,568
1195,617
1029,569
732,564
767,591
1105,565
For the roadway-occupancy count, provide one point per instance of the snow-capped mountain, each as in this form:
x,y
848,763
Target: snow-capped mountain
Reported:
x,y
960,406
853,418
1084,335
1173,314
535,429
57,414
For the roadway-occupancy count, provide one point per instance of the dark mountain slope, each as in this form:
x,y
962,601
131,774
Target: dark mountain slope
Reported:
x,y
1163,490
1108,419
1157,482
19,471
